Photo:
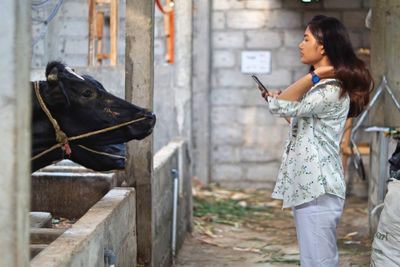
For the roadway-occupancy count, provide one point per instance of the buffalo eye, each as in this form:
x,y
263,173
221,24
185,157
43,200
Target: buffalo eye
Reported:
x,y
87,93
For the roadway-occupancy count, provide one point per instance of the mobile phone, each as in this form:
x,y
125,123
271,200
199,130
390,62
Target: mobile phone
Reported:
x,y
260,85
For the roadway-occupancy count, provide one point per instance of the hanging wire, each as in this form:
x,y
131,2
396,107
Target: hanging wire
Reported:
x,y
36,7
36,4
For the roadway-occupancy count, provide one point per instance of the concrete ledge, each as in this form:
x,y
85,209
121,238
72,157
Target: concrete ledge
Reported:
x,y
45,235
109,224
163,155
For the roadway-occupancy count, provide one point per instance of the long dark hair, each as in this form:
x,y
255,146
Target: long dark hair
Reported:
x,y
354,76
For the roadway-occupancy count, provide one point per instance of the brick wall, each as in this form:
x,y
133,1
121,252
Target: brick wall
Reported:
x,y
247,141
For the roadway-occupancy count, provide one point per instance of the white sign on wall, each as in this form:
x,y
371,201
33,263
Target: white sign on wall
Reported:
x,y
256,62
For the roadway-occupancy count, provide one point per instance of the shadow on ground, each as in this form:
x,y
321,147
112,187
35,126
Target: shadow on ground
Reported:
x,y
246,228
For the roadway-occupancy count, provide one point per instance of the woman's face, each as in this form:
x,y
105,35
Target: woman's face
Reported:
x,y
311,52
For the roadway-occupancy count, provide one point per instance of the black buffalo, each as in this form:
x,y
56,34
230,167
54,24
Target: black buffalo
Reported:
x,y
81,108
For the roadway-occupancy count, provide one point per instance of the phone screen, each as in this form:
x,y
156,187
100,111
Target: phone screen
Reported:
x,y
260,85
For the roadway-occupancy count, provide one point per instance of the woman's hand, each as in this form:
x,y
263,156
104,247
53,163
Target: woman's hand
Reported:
x,y
266,94
325,72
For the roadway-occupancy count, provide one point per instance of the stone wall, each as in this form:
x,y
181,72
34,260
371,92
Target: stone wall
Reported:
x,y
246,140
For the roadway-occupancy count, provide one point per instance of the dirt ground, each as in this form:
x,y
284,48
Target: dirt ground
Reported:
x,y
246,228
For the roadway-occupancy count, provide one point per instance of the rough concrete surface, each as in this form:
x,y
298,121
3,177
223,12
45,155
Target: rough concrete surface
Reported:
x,y
266,241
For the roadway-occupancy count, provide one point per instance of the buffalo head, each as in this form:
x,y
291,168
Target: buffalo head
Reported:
x,y
86,113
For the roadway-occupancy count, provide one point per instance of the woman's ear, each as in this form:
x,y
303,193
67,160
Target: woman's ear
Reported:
x,y
320,49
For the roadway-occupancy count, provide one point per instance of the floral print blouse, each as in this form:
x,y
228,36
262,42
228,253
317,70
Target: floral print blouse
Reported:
x,y
311,164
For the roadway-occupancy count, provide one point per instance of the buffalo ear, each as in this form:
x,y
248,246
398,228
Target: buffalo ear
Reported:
x,y
52,76
53,69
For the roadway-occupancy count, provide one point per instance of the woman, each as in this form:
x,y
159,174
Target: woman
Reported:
x,y
311,179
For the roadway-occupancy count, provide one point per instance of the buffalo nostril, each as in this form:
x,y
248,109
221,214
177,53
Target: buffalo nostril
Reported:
x,y
150,115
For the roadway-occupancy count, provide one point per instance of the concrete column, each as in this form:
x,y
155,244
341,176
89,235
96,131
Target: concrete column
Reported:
x,y
183,66
201,89
385,52
15,109
139,89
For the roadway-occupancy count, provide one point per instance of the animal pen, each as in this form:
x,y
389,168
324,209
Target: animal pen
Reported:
x,y
142,223
206,100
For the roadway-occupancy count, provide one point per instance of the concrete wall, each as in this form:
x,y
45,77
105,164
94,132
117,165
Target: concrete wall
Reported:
x,y
175,155
109,224
201,54
384,58
172,82
15,142
246,141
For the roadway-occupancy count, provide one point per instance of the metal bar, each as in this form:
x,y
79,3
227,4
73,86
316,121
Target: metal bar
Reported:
x,y
383,172
175,177
391,93
370,105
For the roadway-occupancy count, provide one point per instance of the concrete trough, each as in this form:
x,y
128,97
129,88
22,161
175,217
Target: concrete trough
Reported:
x,y
110,224
107,226
69,191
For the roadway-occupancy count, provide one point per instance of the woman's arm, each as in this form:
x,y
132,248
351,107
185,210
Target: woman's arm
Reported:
x,y
296,90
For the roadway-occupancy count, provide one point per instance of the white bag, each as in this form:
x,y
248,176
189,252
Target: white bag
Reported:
x,y
386,245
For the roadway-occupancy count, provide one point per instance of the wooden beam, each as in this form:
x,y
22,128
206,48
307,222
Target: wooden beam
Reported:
x,y
99,35
92,30
139,89
364,149
103,1
113,32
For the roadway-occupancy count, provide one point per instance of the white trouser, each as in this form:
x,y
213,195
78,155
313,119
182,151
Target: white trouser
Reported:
x,y
316,223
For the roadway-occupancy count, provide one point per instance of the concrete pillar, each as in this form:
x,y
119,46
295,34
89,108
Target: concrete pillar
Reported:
x,y
15,109
201,89
139,89
385,52
183,66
